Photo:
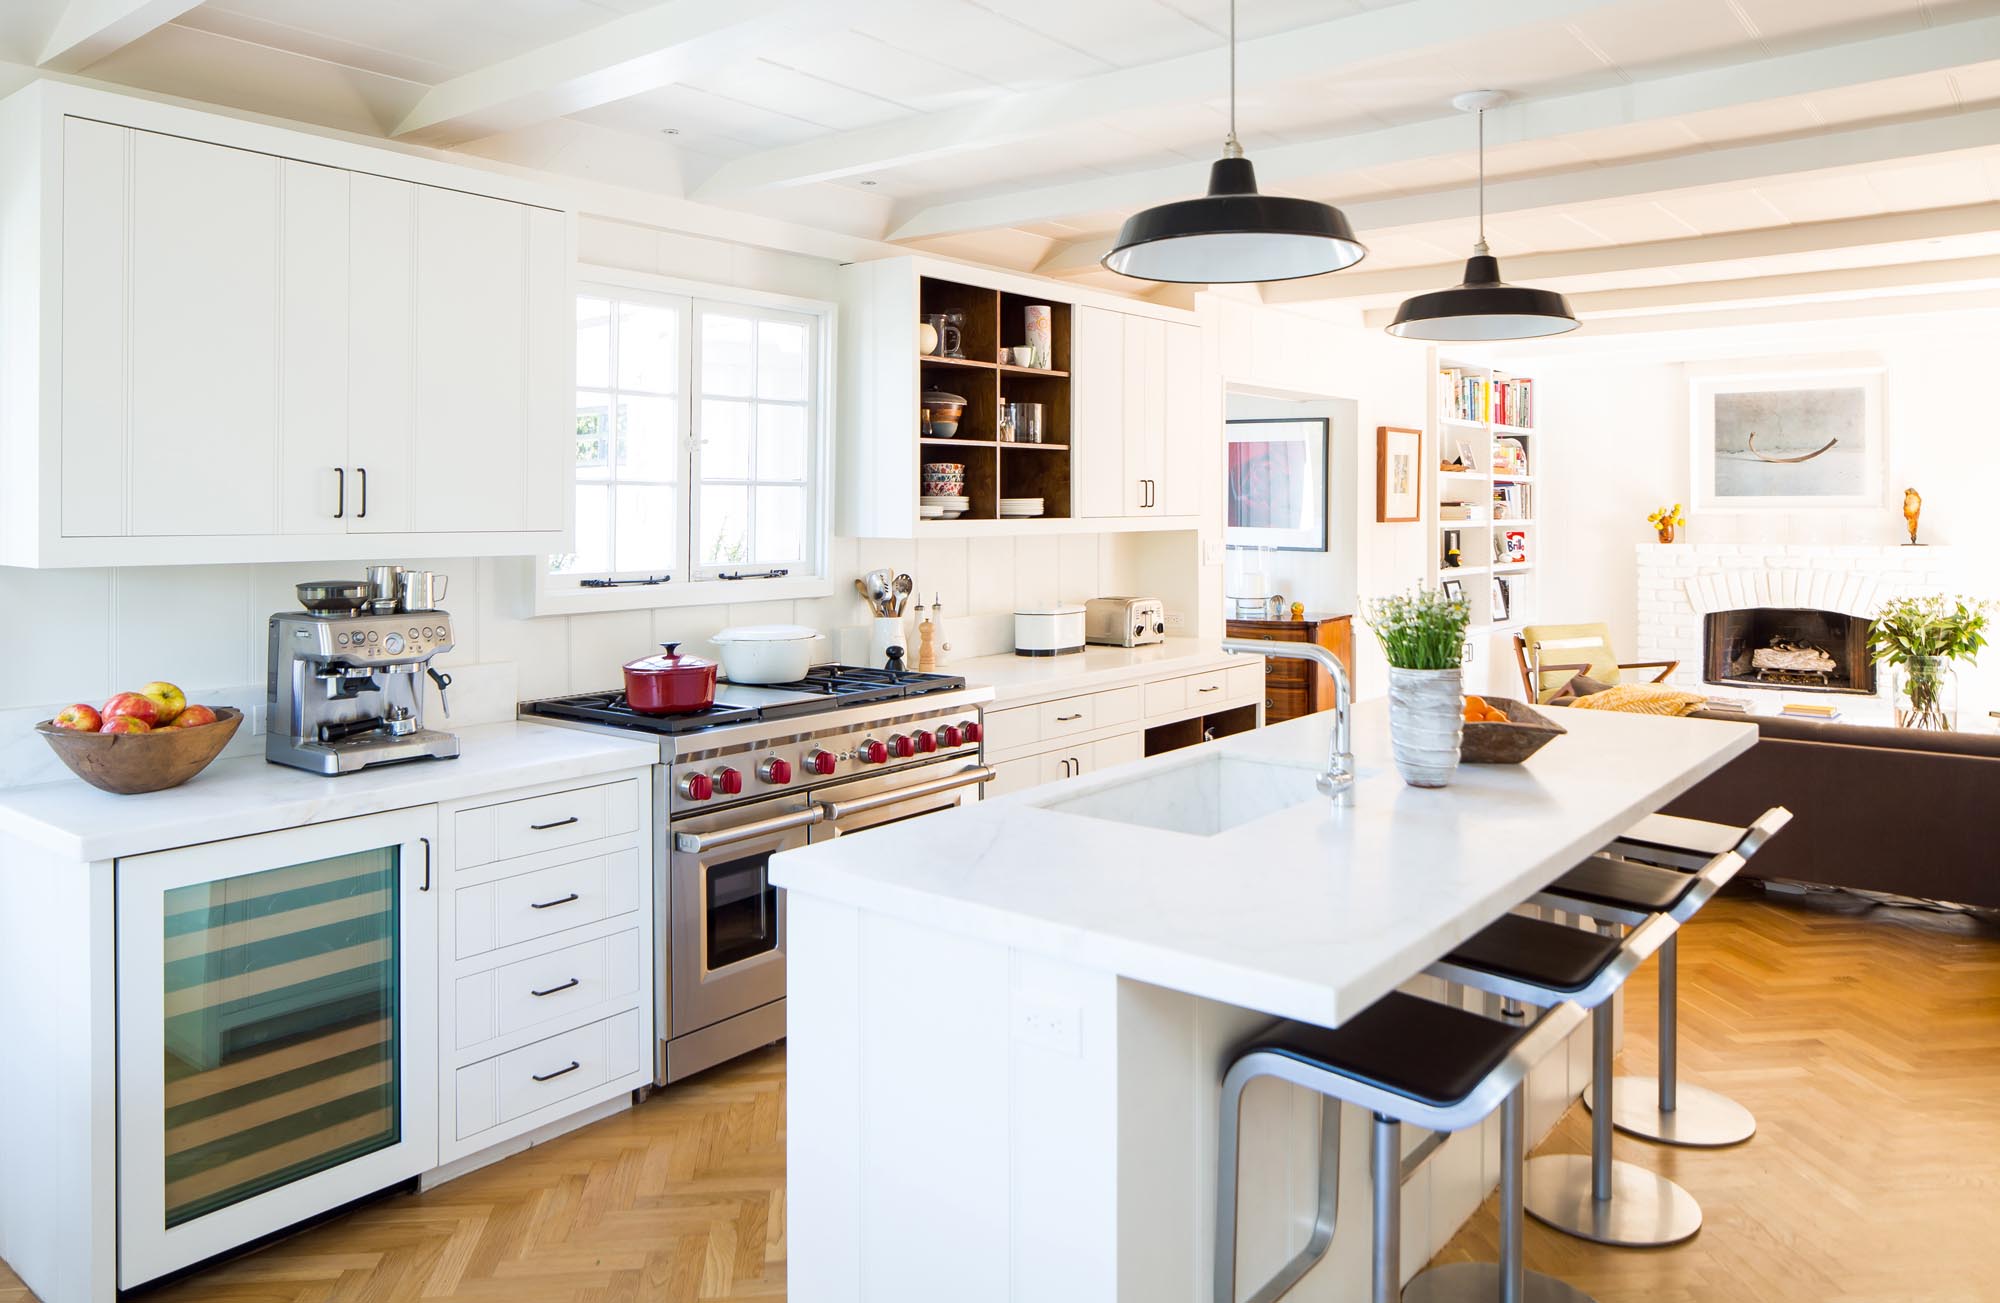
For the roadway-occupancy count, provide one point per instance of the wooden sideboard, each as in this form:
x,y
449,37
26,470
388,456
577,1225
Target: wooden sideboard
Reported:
x,y
1292,687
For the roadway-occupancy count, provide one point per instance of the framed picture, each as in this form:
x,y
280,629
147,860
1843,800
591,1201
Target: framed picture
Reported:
x,y
1503,600
1787,442
1399,474
1276,490
1453,590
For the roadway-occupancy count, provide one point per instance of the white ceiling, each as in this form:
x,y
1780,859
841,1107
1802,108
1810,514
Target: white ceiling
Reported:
x,y
1024,131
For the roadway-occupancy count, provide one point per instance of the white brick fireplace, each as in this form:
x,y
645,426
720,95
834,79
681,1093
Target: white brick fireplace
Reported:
x,y
1681,583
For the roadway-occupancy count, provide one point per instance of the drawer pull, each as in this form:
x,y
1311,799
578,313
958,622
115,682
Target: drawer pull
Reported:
x,y
560,823
551,1076
574,981
551,904
1210,688
1067,719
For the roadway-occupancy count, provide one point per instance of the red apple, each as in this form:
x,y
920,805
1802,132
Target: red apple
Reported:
x,y
125,724
131,705
82,718
193,717
170,699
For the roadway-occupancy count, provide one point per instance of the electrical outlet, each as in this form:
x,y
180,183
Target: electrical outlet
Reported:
x,y
1176,621
1055,1027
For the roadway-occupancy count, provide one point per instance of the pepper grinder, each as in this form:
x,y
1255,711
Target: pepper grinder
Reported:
x,y
926,653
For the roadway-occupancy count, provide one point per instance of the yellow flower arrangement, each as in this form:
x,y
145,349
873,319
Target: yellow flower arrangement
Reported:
x,y
1665,520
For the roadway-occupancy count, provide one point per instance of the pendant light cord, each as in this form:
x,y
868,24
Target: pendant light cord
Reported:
x,y
1481,246
1230,147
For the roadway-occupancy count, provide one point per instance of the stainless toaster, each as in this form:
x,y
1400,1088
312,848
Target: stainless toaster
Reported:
x,y
1125,621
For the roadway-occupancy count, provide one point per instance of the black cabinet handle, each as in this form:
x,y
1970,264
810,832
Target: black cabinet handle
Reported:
x,y
551,904
340,478
551,1076
560,823
574,981
362,514
427,863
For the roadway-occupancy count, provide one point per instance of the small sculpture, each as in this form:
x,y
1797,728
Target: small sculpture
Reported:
x,y
1913,507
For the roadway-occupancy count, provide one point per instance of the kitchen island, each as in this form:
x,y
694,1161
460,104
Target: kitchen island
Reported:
x,y
1009,1022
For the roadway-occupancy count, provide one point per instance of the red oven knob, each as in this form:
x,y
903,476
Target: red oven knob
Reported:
x,y
873,752
901,747
775,771
970,730
949,736
926,741
821,762
728,781
696,787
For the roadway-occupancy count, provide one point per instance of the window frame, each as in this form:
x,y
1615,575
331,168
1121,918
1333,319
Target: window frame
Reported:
x,y
691,583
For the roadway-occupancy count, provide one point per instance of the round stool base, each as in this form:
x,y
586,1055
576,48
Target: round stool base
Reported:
x,y
1645,1209
1701,1118
1479,1282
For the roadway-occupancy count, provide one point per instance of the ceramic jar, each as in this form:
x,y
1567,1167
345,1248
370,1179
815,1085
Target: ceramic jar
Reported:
x,y
1426,722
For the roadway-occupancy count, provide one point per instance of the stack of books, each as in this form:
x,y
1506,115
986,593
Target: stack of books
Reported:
x,y
1811,710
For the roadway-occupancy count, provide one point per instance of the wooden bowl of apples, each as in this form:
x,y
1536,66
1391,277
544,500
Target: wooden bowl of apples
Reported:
x,y
144,741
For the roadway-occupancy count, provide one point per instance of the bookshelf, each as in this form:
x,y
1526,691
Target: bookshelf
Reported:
x,y
1484,494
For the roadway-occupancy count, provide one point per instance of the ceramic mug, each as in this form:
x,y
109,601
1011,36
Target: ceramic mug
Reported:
x,y
1022,355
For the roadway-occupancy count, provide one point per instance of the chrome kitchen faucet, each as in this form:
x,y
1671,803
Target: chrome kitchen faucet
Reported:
x,y
1338,780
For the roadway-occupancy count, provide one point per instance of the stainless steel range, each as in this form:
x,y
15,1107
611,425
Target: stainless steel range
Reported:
x,y
767,769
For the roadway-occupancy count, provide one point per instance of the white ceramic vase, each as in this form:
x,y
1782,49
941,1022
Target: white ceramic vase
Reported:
x,y
1426,721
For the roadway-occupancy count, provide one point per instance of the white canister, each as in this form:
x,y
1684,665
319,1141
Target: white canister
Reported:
x,y
887,631
1049,631
1426,723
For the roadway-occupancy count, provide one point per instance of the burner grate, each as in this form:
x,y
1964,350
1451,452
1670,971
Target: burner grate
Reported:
x,y
826,687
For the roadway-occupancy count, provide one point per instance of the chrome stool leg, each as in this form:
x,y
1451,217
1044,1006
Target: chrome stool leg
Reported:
x,y
1595,1197
1661,1108
1225,1198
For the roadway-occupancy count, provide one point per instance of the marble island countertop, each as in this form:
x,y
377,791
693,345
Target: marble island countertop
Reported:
x,y
235,797
1220,872
1021,680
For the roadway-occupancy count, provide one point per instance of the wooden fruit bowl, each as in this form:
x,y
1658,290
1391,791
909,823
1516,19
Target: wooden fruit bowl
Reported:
x,y
1526,731
128,763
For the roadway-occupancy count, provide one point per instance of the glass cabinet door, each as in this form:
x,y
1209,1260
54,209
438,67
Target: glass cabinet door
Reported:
x,y
276,1032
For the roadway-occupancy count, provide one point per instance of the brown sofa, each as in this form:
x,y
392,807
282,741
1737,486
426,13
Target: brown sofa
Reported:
x,y
1880,809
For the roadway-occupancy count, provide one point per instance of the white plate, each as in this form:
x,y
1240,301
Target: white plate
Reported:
x,y
945,500
1027,504
928,512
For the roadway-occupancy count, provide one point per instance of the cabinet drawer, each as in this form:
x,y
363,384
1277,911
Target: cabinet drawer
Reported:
x,y
544,902
1006,729
1166,697
539,823
1279,670
548,987
1207,691
1118,706
1119,750
1242,681
1064,718
516,1083
1282,702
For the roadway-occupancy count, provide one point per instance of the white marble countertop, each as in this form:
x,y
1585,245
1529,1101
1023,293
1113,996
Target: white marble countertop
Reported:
x,y
1021,680
1307,912
236,797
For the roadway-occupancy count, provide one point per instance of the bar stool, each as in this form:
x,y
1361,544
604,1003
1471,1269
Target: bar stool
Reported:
x,y
1403,1059
1593,1196
1661,1108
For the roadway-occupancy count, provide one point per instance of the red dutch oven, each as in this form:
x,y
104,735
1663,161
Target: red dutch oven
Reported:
x,y
670,684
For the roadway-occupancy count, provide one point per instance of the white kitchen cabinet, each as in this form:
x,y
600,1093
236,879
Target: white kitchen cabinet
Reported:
x,y
1139,433
1097,350
227,339
1193,424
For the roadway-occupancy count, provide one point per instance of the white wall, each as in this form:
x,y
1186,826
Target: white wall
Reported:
x,y
1324,581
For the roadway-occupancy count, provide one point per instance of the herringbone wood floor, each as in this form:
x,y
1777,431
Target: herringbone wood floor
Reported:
x,y
1867,1043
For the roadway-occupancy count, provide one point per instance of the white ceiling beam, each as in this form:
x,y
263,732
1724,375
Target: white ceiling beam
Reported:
x,y
1314,51
1728,246
1752,81
88,30
625,57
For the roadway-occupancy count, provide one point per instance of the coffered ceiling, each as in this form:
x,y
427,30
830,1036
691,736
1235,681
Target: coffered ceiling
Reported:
x,y
1646,143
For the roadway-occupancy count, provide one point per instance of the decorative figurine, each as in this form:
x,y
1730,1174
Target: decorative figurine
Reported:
x,y
1913,506
1298,610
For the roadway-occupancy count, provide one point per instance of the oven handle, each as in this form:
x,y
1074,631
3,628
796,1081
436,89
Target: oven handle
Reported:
x,y
838,810
696,842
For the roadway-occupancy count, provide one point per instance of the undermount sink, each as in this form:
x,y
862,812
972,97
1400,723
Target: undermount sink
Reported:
x,y
1201,799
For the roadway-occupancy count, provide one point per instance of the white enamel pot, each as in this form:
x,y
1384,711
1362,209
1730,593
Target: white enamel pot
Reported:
x,y
766,653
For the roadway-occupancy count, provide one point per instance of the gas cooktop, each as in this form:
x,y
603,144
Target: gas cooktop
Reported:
x,y
827,687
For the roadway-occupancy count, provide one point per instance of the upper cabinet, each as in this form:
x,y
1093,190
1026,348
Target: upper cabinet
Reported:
x,y
1116,402
235,341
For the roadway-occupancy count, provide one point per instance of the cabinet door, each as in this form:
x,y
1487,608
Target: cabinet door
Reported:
x,y
1193,436
1119,750
202,455
470,458
313,335
95,254
277,1017
381,355
1011,776
1097,416
1058,765
1145,413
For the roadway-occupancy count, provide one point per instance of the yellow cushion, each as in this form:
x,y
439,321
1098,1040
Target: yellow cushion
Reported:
x,y
1568,644
1642,699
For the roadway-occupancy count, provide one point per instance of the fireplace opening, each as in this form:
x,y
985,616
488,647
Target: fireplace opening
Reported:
x,y
1784,647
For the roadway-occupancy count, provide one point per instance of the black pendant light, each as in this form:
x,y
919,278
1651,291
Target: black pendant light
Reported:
x,y
1233,235
1484,307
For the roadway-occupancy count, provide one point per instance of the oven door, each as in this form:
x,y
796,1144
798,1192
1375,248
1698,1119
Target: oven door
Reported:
x,y
728,949
867,803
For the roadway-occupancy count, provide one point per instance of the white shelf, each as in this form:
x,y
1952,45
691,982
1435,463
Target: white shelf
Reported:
x,y
1514,479
1462,422
1462,475
1446,572
1527,521
1513,567
1513,429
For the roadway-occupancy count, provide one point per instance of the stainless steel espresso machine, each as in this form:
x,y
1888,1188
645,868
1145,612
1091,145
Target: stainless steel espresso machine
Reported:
x,y
346,680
